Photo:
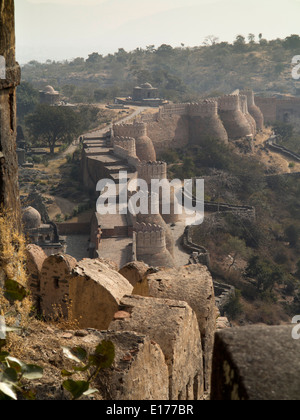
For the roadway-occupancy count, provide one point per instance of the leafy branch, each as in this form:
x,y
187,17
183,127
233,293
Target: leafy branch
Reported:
x,y
102,358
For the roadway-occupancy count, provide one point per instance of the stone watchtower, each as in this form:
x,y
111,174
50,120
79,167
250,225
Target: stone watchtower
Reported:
x,y
253,108
205,122
250,119
9,78
144,146
235,122
151,245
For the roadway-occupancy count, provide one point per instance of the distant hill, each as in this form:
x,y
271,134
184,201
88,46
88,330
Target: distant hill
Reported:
x,y
181,74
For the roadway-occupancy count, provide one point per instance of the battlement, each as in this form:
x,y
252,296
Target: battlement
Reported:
x,y
244,104
173,109
152,170
206,108
126,143
135,130
229,103
150,239
250,96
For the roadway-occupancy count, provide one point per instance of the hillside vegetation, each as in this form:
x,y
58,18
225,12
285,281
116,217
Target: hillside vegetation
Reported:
x,y
181,74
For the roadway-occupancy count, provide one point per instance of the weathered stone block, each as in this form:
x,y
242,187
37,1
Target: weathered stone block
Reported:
x,y
256,363
55,286
35,258
139,371
173,325
194,285
134,272
95,293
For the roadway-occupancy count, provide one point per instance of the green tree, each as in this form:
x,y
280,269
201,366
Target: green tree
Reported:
x,y
236,248
292,235
292,42
240,43
286,131
234,308
50,125
94,58
265,273
27,99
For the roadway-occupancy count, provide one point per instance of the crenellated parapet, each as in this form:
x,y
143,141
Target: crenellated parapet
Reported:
x,y
135,130
125,143
152,170
229,103
173,109
138,130
150,239
207,108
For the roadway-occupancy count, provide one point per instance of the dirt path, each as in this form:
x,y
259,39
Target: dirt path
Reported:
x,y
64,206
271,158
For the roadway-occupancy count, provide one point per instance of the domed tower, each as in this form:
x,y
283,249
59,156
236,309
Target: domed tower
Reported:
x,y
145,150
49,96
157,219
32,221
205,122
31,218
159,171
254,109
250,119
9,78
151,245
235,122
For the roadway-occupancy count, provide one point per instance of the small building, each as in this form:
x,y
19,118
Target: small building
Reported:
x,y
144,95
44,235
49,96
145,91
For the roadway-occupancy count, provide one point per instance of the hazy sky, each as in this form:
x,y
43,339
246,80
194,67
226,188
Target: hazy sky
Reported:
x,y
65,29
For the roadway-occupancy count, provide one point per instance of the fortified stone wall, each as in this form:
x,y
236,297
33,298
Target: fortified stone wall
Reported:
x,y
228,117
253,108
205,123
151,245
126,143
250,119
166,322
169,131
235,122
135,130
152,170
174,327
279,109
192,284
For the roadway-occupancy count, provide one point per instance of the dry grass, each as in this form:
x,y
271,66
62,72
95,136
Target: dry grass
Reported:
x,y
13,267
60,321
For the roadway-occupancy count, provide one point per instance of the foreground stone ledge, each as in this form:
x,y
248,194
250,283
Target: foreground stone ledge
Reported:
x,y
54,287
192,284
95,293
139,371
35,258
173,325
256,363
